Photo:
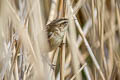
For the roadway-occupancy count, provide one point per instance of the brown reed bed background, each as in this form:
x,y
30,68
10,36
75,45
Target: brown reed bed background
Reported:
x,y
90,49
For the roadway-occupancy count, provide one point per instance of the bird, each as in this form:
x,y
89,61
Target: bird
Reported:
x,y
56,30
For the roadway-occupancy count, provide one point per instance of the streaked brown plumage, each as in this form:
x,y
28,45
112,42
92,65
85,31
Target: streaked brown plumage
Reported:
x,y
56,30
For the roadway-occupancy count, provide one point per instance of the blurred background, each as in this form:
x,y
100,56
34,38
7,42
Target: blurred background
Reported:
x,y
89,47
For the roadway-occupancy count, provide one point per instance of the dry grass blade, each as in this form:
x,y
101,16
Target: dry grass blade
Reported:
x,y
78,71
102,34
71,41
87,45
98,16
62,59
93,18
118,16
78,5
53,11
87,27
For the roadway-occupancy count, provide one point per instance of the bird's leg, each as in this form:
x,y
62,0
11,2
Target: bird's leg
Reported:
x,y
52,66
60,46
